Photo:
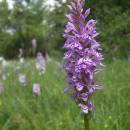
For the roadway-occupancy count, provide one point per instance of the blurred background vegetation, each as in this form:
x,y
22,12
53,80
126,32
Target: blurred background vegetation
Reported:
x,y
34,19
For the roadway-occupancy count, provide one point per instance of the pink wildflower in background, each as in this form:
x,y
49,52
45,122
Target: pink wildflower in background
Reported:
x,y
22,79
1,88
40,63
36,89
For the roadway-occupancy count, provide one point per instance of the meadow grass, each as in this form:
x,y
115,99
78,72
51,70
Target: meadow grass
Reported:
x,y
21,110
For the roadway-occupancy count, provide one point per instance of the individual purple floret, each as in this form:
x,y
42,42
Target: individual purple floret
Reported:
x,y
40,63
83,57
36,89
22,79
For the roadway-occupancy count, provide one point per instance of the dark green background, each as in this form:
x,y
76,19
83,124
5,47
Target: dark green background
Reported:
x,y
35,21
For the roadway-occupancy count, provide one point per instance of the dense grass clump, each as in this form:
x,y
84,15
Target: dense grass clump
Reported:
x,y
52,110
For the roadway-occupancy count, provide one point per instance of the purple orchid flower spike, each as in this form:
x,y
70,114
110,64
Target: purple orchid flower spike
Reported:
x,y
22,79
36,89
40,63
83,57
1,88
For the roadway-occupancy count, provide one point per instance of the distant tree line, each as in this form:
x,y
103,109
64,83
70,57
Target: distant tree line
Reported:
x,y
18,26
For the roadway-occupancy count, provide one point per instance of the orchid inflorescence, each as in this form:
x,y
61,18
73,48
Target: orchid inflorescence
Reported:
x,y
22,79
40,63
83,57
36,89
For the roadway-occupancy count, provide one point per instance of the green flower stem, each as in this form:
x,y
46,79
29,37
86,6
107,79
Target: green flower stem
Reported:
x,y
86,121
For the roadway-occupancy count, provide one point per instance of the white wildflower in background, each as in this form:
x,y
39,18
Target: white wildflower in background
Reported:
x,y
20,53
20,56
3,77
4,63
1,59
21,60
34,45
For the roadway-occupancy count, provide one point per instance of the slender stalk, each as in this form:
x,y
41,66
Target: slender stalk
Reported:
x,y
86,121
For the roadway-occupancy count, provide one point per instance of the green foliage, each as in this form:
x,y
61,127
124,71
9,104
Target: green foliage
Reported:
x,y
25,23
113,25
55,28
21,110
36,20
